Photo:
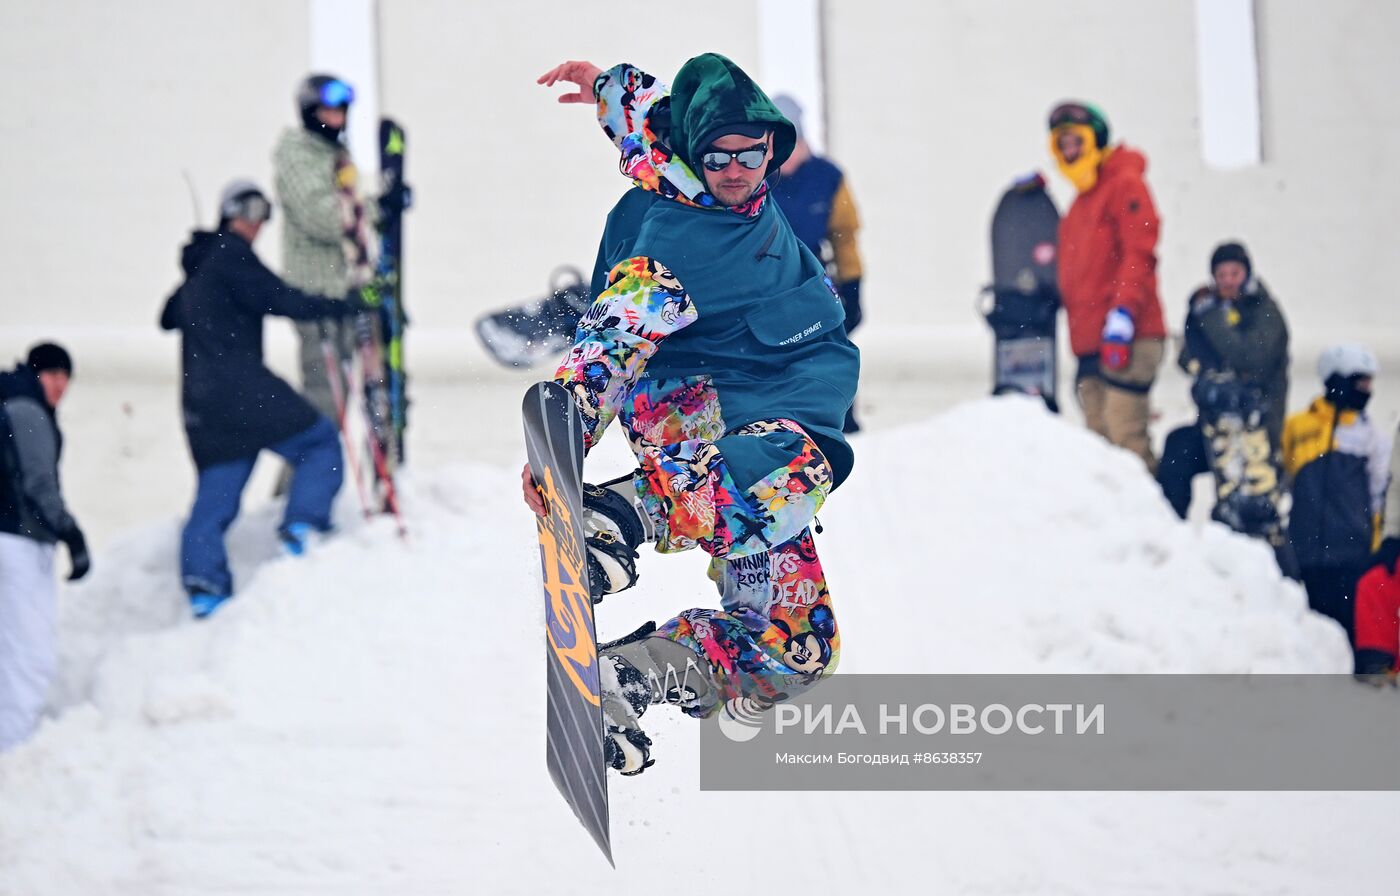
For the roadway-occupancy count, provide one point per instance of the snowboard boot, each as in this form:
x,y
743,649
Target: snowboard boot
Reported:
x,y
638,671
614,525
204,603
296,538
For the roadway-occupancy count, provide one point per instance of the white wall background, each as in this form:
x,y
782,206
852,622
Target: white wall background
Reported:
x,y
933,107
508,183
104,105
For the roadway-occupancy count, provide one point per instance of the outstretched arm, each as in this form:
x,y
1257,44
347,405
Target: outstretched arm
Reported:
x,y
259,291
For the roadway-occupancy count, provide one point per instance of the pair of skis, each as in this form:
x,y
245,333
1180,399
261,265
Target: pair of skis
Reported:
x,y
378,336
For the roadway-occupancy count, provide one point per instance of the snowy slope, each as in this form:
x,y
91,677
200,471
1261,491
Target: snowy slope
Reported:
x,y
369,720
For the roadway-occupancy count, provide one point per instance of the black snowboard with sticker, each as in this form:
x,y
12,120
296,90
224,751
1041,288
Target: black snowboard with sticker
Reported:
x,y
574,719
1021,303
1248,474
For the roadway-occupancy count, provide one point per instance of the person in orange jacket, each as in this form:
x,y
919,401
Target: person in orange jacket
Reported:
x,y
1108,276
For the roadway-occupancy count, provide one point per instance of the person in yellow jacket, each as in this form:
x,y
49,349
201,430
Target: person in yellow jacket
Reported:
x,y
1335,459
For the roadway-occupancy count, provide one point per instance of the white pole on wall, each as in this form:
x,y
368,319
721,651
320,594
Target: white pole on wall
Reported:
x,y
1227,59
344,43
790,59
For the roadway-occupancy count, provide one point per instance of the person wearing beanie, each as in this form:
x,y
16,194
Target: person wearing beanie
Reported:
x,y
718,341
234,407
33,518
327,248
1335,460
1108,276
1234,329
815,197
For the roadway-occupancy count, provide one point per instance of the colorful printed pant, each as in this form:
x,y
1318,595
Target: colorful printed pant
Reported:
x,y
775,634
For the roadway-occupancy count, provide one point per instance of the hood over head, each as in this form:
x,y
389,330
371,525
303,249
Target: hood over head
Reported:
x,y
711,95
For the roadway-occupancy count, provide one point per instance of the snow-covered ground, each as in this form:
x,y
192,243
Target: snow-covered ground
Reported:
x,y
369,719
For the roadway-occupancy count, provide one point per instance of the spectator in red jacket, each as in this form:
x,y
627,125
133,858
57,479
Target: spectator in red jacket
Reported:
x,y
1108,276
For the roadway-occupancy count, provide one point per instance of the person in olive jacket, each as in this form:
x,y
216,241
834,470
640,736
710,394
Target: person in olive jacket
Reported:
x,y
234,407
1233,327
719,343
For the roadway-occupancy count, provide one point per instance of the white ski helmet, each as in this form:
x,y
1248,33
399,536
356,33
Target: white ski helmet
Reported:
x,y
1348,359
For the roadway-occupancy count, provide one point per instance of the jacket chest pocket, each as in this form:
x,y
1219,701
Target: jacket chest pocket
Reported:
x,y
797,316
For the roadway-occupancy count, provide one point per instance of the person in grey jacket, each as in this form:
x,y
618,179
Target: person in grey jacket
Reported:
x,y
33,518
1233,328
326,245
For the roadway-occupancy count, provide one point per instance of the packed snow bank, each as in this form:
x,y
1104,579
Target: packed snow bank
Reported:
x,y
369,719
995,538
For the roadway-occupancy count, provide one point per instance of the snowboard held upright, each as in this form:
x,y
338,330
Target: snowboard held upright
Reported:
x,y
1021,303
1248,477
574,721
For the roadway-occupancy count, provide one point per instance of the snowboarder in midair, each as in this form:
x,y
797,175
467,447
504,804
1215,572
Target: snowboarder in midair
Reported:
x,y
719,343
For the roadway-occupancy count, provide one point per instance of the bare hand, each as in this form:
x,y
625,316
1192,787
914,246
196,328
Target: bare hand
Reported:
x,y
575,72
533,499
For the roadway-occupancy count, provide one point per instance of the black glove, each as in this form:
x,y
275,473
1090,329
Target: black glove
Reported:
x,y
850,298
1387,554
78,558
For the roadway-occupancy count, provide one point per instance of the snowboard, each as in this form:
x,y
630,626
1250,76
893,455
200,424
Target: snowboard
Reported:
x,y
525,335
395,197
1248,475
574,729
1021,303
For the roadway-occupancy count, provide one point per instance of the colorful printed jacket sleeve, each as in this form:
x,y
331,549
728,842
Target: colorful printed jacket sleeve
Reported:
x,y
626,98
1137,235
643,304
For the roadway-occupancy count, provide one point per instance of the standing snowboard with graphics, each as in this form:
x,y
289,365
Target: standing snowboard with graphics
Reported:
x,y
1248,475
574,723
1021,303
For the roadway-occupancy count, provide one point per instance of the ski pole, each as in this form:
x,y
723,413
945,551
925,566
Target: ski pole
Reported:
x,y
364,338
338,396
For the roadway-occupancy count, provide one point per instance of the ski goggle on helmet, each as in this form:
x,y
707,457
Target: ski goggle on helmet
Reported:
x,y
336,93
242,199
1069,113
324,90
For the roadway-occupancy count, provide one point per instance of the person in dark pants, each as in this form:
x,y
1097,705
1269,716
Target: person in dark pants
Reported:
x,y
234,407
816,198
1336,461
1233,326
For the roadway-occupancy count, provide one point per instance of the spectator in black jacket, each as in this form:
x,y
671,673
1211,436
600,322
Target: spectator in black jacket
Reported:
x,y
33,517
234,407
1236,330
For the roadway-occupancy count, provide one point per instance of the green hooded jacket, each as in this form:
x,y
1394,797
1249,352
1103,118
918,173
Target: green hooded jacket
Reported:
x,y
769,329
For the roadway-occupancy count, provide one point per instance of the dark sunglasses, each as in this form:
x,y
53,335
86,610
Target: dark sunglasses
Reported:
x,y
718,159
1070,113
